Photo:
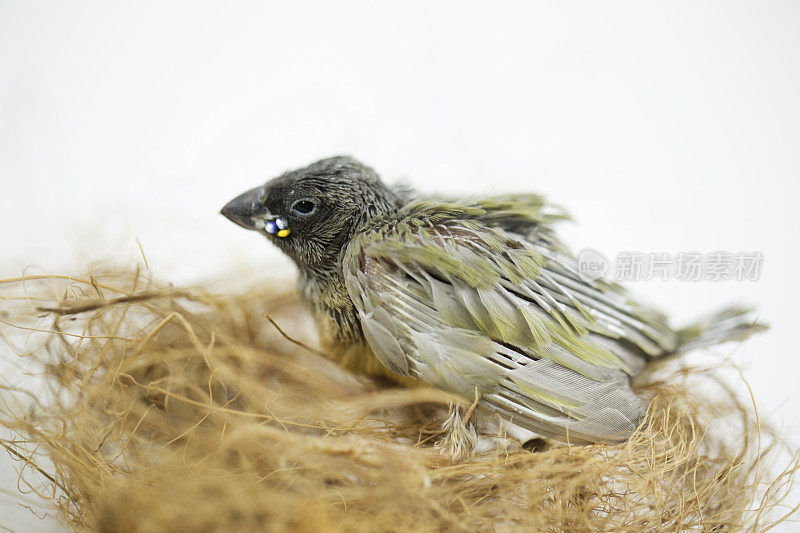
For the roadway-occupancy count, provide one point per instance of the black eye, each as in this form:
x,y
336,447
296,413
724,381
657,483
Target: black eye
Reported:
x,y
305,206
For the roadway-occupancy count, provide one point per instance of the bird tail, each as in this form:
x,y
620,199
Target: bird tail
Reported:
x,y
732,324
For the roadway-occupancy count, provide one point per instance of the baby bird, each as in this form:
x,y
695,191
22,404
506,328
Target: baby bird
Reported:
x,y
475,297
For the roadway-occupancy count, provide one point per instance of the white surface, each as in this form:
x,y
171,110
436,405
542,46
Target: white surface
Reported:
x,y
661,129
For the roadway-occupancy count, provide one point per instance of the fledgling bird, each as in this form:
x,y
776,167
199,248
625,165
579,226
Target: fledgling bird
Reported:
x,y
475,297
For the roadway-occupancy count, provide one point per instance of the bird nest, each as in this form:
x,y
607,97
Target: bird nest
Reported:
x,y
154,408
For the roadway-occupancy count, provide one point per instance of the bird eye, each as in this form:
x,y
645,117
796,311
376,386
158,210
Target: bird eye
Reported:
x,y
304,206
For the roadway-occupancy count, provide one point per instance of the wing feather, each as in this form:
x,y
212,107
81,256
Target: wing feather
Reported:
x,y
471,308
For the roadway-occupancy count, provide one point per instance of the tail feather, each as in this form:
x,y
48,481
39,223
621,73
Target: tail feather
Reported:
x,y
732,324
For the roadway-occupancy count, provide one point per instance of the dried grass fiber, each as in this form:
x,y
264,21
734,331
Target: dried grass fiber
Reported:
x,y
163,409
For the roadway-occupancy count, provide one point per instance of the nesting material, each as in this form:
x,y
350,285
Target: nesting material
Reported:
x,y
157,408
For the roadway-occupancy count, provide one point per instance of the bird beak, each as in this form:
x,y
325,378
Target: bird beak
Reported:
x,y
247,209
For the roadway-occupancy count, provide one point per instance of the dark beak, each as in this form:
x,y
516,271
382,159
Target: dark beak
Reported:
x,y
246,208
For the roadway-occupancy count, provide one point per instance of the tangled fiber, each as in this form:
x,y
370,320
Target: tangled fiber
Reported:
x,y
154,408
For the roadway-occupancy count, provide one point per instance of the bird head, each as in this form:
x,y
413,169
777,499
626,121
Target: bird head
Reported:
x,y
312,212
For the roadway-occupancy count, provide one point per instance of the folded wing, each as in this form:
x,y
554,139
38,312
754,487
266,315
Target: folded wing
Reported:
x,y
472,307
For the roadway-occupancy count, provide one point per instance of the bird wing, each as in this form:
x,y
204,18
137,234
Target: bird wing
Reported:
x,y
447,298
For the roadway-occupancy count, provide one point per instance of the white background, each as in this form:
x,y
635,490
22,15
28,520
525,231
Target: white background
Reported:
x,y
660,127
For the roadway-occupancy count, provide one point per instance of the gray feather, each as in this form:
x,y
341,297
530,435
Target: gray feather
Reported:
x,y
535,350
